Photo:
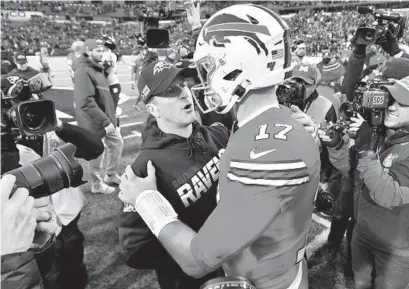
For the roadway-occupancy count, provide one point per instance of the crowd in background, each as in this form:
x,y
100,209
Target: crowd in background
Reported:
x,y
317,28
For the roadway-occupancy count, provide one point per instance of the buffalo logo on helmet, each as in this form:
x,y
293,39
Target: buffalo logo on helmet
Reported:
x,y
223,26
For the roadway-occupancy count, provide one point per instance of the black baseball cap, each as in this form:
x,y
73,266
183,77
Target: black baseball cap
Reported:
x,y
20,57
158,76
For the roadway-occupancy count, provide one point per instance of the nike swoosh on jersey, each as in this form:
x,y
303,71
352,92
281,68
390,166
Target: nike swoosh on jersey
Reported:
x,y
254,155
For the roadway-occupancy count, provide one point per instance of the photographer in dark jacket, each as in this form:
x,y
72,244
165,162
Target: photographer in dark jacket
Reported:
x,y
60,262
186,156
379,179
381,196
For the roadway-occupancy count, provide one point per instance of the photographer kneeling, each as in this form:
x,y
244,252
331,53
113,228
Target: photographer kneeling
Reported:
x,y
381,196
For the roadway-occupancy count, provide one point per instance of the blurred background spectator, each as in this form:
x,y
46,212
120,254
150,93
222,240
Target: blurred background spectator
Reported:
x,y
317,23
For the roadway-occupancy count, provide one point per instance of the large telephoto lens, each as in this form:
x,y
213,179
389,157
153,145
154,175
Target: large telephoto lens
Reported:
x,y
50,174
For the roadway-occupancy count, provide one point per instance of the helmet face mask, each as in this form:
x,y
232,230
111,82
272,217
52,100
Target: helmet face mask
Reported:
x,y
240,48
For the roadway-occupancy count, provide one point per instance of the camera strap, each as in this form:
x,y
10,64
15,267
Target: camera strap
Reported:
x,y
308,101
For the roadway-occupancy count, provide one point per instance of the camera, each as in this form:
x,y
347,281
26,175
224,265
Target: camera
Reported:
x,y
324,203
335,131
370,100
157,38
291,92
393,21
22,115
50,174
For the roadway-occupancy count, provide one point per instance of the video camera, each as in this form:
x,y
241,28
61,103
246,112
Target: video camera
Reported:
x,y
371,101
291,92
392,21
20,114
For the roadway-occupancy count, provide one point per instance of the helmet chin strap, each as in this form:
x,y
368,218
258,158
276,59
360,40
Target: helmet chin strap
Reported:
x,y
229,106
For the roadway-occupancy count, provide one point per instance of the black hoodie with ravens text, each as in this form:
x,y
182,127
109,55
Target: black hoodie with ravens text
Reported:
x,y
187,172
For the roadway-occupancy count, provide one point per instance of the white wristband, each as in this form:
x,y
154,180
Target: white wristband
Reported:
x,y
155,210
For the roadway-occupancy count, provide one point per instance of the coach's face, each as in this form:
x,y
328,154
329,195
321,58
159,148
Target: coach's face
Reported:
x,y
175,106
97,53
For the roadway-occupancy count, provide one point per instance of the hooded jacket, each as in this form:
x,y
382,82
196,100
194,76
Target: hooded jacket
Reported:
x,y
187,172
381,193
94,106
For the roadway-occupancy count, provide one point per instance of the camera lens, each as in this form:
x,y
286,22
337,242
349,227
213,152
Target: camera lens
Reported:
x,y
369,35
284,92
51,174
346,111
32,118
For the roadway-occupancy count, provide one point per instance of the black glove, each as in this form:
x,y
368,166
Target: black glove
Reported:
x,y
391,44
362,142
359,48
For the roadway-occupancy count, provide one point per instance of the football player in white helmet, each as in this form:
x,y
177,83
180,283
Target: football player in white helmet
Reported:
x,y
238,51
269,172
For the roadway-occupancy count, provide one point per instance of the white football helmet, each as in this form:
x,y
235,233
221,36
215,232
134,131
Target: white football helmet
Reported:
x,y
239,48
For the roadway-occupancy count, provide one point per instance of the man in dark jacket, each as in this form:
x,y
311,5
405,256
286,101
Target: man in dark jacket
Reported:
x,y
381,197
186,156
345,160
95,111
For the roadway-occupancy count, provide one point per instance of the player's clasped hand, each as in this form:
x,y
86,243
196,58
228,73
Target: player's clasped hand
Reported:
x,y
304,120
18,218
132,186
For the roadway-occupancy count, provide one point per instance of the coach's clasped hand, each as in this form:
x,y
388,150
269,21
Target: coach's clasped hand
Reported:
x,y
110,129
132,186
18,218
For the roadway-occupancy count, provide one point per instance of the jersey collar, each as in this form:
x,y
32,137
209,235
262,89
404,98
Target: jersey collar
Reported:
x,y
254,115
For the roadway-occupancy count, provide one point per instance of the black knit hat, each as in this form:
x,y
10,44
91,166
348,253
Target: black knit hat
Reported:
x,y
397,68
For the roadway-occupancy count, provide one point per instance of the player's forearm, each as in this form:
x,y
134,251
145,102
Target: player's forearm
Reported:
x,y
176,238
161,218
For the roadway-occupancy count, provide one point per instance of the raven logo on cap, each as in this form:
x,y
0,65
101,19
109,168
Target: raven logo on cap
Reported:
x,y
161,66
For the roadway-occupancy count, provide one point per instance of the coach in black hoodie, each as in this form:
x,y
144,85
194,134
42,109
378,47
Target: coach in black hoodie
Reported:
x,y
186,156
